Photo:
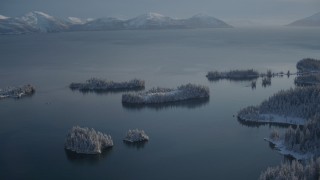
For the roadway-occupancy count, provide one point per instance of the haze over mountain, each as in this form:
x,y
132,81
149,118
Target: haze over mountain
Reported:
x,y
313,20
264,12
32,22
36,21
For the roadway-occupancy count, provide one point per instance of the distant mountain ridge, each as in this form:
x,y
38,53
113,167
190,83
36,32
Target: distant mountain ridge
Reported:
x,y
311,21
40,22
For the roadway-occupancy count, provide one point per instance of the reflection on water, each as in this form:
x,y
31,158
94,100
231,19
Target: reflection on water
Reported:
x,y
29,96
304,84
135,145
87,158
109,91
190,104
79,55
253,85
234,80
258,124
266,81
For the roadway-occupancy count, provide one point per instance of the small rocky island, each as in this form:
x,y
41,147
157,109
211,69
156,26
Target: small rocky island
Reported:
x,y
293,106
166,95
87,141
233,75
95,84
308,65
17,92
136,135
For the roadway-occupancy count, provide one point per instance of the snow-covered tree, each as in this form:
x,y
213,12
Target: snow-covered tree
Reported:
x,y
233,75
162,95
269,73
293,171
87,140
305,140
308,64
136,135
301,102
275,136
17,92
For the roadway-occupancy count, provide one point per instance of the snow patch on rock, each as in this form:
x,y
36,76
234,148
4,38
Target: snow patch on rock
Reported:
x,y
136,135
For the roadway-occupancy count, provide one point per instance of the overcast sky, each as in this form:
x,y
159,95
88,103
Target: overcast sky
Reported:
x,y
263,11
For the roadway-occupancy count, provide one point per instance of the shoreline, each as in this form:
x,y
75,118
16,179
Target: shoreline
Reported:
x,y
274,119
282,149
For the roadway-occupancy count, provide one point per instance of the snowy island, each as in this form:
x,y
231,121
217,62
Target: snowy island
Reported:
x,y
243,75
95,84
293,106
233,75
17,92
136,135
164,95
87,141
308,65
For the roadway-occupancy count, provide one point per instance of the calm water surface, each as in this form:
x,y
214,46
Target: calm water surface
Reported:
x,y
194,140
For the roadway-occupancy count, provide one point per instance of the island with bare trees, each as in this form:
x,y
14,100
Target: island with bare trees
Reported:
x,y
167,95
17,92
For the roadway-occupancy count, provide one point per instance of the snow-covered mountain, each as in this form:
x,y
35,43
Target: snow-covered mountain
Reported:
x,y
145,21
36,21
99,24
158,21
44,22
32,22
15,26
152,21
313,20
204,21
76,20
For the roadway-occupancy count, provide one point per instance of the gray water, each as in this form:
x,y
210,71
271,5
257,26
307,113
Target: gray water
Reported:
x,y
192,140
